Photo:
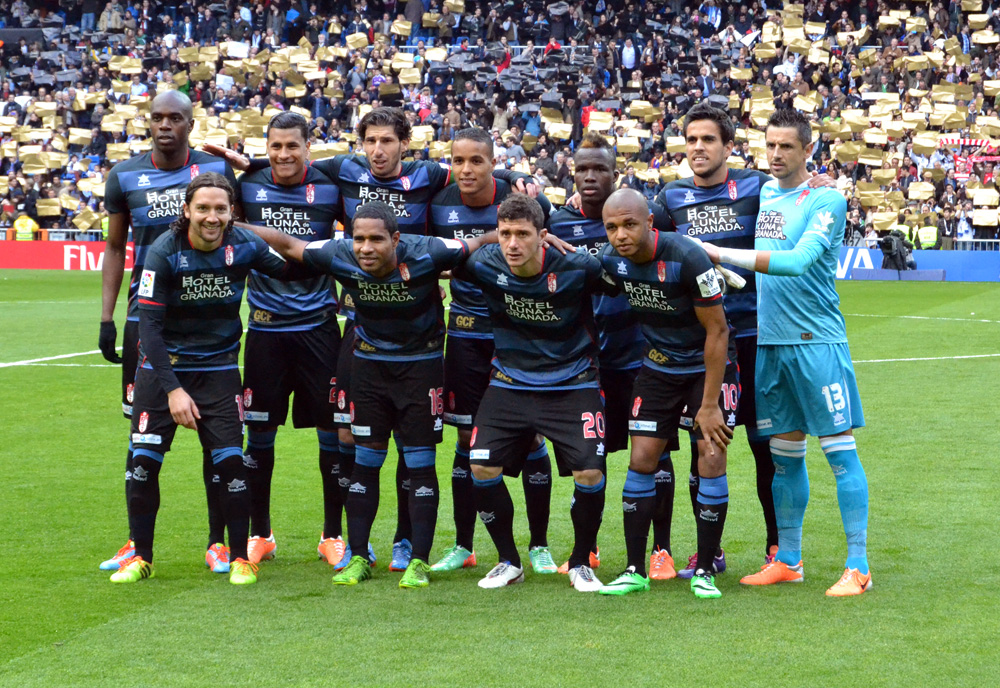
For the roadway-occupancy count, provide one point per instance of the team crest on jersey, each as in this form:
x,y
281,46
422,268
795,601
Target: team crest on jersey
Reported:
x,y
802,197
143,421
636,406
229,255
352,411
341,400
194,171
552,283
405,181
310,193
732,189
451,401
129,393
247,397
661,270
404,272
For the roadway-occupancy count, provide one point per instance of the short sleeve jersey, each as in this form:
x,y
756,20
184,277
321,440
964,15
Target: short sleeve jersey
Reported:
x,y
663,294
307,211
153,199
618,330
803,309
724,214
201,292
399,317
543,326
452,219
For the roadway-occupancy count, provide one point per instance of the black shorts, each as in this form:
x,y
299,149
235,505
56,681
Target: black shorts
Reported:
x,y
663,402
616,386
746,358
467,366
276,364
345,361
509,419
220,403
130,361
400,396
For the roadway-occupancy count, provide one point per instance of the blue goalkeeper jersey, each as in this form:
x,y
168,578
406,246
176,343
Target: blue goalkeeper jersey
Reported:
x,y
801,305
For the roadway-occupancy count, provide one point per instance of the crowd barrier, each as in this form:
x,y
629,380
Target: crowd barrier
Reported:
x,y
958,266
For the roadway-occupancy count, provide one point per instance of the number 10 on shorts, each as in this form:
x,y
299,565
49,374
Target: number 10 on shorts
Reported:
x,y
834,395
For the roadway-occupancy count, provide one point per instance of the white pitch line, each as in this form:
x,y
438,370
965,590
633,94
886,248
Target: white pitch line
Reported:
x,y
928,358
917,317
48,358
32,303
69,365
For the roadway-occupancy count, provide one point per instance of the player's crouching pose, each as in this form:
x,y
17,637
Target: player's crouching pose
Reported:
x,y
805,379
397,371
544,381
189,332
690,359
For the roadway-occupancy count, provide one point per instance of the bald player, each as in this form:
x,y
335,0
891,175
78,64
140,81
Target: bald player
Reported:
x,y
145,194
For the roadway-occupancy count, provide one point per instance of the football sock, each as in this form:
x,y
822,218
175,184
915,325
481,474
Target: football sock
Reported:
x,y
663,512
128,477
693,478
586,510
144,500
496,511
761,450
329,468
235,498
536,478
463,499
713,503
213,496
423,498
852,495
259,460
362,501
791,496
404,529
638,504
347,452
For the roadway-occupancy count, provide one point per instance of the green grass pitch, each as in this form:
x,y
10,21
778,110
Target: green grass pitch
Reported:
x,y
930,452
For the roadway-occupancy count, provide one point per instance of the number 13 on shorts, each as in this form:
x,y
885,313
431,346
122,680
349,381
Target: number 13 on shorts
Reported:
x,y
834,395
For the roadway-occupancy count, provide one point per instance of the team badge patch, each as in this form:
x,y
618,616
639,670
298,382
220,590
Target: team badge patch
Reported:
x,y
802,197
194,171
405,181
239,406
636,406
552,283
708,284
451,401
341,400
146,283
310,193
247,397
229,255
732,189
404,272
129,392
661,270
352,411
472,440
143,421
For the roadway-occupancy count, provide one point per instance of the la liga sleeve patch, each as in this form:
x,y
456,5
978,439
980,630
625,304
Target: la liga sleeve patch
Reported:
x,y
146,283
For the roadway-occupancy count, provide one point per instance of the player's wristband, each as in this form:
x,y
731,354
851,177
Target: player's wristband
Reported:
x,y
741,258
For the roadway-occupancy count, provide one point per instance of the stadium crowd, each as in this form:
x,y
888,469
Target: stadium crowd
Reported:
x,y
903,97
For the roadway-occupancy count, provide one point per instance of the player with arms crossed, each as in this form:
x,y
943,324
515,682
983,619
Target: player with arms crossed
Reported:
x,y
189,296
146,193
805,378
293,339
397,366
463,210
544,381
690,362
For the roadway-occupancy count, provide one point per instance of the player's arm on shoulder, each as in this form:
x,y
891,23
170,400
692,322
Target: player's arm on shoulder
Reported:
x,y
599,281
287,246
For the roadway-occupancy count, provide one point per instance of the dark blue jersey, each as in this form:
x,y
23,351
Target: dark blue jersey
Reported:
x,y
663,293
543,326
153,199
618,330
306,210
399,317
726,215
199,294
452,219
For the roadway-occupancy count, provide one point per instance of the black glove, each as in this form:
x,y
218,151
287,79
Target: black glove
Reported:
x,y
106,342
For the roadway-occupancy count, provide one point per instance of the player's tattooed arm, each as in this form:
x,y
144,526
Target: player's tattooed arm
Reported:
x,y
289,247
709,418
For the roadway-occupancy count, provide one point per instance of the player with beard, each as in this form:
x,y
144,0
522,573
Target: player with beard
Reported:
x,y
145,194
